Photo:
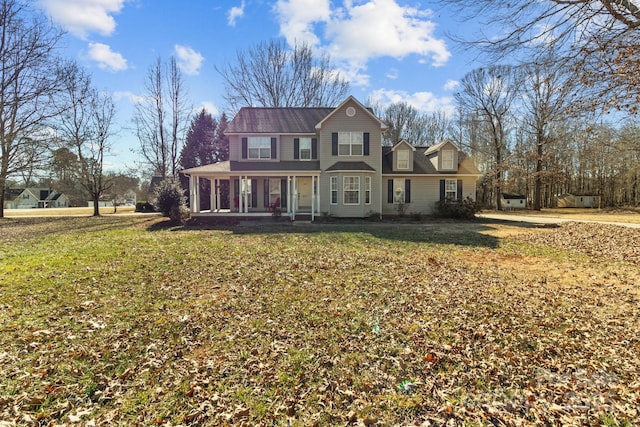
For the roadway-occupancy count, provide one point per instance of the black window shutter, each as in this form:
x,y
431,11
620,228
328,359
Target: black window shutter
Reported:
x,y
274,148
407,191
365,142
266,192
283,192
314,148
254,193
334,144
459,189
441,189
390,191
296,148
244,148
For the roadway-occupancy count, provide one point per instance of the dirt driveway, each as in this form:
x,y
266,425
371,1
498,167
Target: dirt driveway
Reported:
x,y
631,220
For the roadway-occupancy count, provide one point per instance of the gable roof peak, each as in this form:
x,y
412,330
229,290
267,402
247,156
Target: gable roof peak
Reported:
x,y
403,142
351,98
439,145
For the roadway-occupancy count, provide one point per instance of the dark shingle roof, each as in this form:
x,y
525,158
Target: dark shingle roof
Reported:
x,y
422,163
350,166
295,165
277,120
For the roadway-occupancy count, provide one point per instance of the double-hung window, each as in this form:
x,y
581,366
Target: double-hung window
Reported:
x,y
351,190
447,159
402,159
367,190
334,190
259,147
350,143
305,149
450,189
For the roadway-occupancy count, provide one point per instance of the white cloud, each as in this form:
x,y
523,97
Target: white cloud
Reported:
x,y
189,61
210,107
106,58
130,96
82,17
393,74
235,13
360,31
298,17
426,102
451,84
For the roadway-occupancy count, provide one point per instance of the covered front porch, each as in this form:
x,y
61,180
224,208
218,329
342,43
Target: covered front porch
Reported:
x,y
254,193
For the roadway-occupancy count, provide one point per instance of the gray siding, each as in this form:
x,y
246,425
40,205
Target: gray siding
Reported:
x,y
425,193
340,122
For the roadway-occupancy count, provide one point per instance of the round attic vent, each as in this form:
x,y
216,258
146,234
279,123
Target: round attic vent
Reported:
x,y
351,111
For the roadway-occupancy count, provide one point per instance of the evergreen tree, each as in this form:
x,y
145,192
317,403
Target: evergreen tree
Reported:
x,y
206,143
199,146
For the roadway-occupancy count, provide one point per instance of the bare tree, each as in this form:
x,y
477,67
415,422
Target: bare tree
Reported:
x,y
419,129
488,94
162,117
85,128
271,75
599,40
27,84
546,90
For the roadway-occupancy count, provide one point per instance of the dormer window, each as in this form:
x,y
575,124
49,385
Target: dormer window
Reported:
x,y
402,159
447,159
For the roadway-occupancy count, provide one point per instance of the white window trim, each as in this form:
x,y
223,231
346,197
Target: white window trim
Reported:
x,y
333,187
449,165
398,160
345,190
260,148
300,140
448,191
342,135
367,190
398,191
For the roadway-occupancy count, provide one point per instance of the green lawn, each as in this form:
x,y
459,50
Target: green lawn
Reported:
x,y
121,321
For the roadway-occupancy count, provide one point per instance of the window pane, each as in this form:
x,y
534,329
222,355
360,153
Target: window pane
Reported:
x,y
447,159
259,147
343,150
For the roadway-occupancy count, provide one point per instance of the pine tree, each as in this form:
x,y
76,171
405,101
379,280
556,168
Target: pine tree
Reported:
x,y
198,149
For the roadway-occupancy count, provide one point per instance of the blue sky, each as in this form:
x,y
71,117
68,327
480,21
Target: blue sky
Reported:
x,y
390,50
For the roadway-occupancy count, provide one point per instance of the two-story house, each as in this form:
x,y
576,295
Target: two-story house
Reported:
x,y
314,161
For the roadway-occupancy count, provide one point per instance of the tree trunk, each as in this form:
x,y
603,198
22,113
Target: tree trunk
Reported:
x,y
96,205
537,195
2,195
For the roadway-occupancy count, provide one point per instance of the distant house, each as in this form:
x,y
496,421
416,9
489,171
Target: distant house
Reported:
x,y
313,161
34,198
513,201
576,201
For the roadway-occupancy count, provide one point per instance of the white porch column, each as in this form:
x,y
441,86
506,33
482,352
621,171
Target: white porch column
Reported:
x,y
289,196
313,196
240,195
212,193
246,194
196,199
217,194
295,197
192,194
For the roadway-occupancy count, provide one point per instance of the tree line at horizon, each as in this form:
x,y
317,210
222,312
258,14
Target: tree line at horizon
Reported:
x,y
538,126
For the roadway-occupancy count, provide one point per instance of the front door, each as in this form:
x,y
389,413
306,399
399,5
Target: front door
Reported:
x,y
304,193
